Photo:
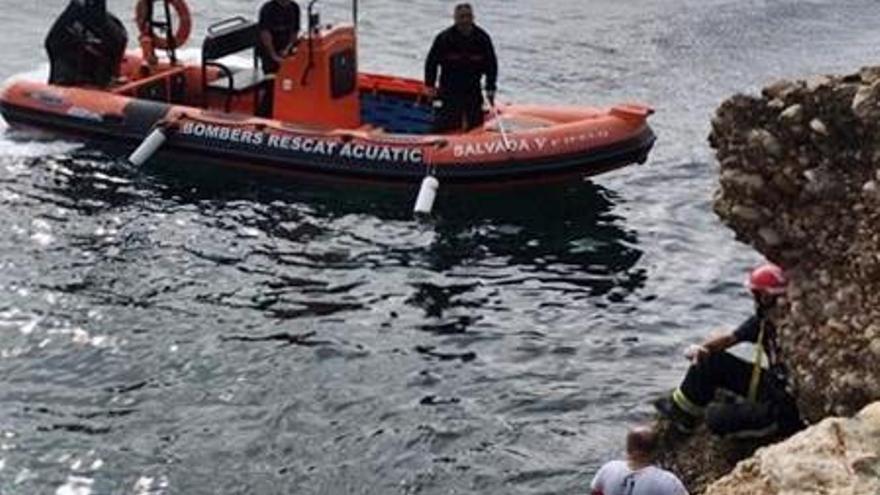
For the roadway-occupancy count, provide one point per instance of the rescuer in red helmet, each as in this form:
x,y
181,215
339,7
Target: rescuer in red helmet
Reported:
x,y
765,406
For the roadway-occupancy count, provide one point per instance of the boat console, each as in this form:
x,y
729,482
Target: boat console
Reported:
x,y
318,85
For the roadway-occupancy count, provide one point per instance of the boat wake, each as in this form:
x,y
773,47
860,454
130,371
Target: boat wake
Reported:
x,y
16,143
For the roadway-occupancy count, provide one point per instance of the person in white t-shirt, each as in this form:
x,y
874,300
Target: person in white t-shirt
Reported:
x,y
637,475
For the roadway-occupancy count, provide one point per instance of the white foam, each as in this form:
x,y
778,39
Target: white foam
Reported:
x,y
10,354
10,197
249,232
111,179
43,233
81,336
76,485
28,328
24,475
143,485
41,224
148,485
32,146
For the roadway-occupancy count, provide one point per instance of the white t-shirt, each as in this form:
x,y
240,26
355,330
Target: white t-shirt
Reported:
x,y
616,478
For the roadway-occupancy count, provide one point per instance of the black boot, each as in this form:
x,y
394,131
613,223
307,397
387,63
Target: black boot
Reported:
x,y
681,419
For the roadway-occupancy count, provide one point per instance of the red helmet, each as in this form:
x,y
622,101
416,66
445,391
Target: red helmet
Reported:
x,y
768,279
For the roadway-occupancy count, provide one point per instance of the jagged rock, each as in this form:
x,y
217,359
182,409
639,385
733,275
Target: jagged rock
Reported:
x,y
865,103
770,237
746,213
815,83
792,114
782,89
742,179
819,127
836,457
766,141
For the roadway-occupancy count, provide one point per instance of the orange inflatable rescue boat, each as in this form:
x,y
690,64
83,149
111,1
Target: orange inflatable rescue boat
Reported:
x,y
323,116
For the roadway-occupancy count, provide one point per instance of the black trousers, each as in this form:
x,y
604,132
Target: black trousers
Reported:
x,y
726,371
269,65
461,111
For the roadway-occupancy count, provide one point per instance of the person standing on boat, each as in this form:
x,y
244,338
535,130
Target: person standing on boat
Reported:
x,y
85,45
765,406
464,54
279,25
637,475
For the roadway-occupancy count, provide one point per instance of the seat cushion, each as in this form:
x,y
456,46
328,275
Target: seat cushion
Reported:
x,y
242,80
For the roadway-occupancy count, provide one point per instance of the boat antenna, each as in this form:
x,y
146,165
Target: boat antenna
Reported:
x,y
314,22
354,12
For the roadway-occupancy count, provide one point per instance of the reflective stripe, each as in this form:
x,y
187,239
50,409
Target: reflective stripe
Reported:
x,y
685,404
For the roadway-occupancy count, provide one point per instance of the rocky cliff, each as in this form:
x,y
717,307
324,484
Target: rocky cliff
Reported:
x,y
799,176
800,182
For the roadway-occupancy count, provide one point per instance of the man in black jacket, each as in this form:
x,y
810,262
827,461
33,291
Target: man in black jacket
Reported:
x,y
464,54
279,32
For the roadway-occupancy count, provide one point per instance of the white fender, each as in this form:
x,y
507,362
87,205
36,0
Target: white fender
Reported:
x,y
148,147
427,195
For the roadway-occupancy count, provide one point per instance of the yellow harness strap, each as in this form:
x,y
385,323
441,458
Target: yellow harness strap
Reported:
x,y
759,362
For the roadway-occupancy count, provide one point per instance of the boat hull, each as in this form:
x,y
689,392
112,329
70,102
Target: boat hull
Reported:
x,y
579,141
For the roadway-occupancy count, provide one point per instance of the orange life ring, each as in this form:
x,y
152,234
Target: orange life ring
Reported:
x,y
184,27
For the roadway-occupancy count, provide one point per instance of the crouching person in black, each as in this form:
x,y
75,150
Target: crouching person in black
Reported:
x,y
85,45
464,53
765,407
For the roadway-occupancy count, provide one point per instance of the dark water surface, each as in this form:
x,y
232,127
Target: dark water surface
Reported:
x,y
175,330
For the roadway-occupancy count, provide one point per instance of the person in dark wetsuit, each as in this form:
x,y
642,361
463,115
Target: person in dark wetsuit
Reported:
x,y
279,31
766,406
464,54
85,45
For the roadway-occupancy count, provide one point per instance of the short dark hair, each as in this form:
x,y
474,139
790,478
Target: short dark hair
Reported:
x,y
642,440
463,6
